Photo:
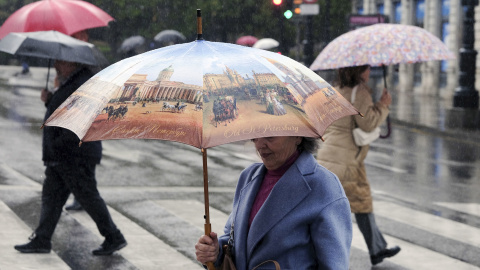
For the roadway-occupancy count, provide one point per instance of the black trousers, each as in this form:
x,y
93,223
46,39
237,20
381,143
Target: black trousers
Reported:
x,y
78,179
373,237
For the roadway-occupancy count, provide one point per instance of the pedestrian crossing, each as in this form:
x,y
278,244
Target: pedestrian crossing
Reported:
x,y
147,250
14,231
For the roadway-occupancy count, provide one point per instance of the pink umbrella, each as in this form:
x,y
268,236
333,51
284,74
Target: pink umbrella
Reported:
x,y
65,16
246,41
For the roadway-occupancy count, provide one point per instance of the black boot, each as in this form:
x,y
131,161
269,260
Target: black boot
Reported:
x,y
111,244
74,206
386,253
36,245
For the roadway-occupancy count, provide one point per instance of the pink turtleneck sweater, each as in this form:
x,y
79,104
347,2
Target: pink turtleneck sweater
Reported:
x,y
269,181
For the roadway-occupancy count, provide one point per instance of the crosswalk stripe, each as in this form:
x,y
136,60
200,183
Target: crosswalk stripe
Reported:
x,y
144,250
434,224
412,256
8,173
12,232
468,208
192,211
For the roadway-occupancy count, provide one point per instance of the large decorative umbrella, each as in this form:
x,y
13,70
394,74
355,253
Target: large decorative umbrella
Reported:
x,y
52,45
380,45
247,41
169,37
203,94
266,44
66,16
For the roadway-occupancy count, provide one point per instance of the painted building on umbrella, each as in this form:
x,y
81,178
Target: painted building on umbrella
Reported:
x,y
138,88
227,80
444,19
302,84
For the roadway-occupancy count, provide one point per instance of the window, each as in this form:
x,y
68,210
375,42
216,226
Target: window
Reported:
x,y
398,12
381,9
420,12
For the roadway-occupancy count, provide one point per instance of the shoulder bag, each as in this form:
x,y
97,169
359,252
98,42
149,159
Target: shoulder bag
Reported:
x,y
361,137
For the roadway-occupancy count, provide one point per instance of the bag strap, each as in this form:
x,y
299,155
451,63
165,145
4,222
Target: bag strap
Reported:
x,y
277,265
354,93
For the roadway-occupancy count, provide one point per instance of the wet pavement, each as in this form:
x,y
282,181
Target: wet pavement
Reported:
x,y
425,179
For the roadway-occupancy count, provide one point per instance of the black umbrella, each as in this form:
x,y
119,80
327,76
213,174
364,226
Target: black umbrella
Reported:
x,y
131,43
169,37
52,45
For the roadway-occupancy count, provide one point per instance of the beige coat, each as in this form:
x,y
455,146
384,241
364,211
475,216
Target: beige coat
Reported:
x,y
342,156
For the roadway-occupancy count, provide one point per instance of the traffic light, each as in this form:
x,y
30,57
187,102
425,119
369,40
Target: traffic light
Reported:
x,y
277,2
288,14
297,4
288,9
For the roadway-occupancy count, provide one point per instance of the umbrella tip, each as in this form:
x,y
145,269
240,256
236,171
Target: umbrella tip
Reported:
x,y
199,25
359,113
80,143
321,138
42,126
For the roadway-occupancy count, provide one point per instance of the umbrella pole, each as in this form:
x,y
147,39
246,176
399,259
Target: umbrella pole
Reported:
x,y
48,73
389,128
208,226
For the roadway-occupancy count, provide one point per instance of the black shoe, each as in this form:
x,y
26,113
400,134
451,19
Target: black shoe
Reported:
x,y
110,245
386,253
74,206
35,246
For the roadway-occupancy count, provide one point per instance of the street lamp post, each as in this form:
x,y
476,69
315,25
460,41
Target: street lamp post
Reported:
x,y
465,95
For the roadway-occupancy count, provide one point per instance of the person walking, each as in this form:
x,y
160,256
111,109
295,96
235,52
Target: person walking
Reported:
x,y
288,209
45,96
70,168
342,156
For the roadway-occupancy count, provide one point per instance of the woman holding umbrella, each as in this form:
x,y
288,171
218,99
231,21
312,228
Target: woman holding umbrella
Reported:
x,y
342,156
288,209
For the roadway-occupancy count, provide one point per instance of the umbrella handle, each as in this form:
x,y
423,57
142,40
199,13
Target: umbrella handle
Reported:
x,y
207,226
389,129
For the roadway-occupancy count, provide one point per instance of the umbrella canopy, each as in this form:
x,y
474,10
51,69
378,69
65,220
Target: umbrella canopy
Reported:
x,y
266,44
131,43
52,45
202,94
382,44
170,37
247,41
66,16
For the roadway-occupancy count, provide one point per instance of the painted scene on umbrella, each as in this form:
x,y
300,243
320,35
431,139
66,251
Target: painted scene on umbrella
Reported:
x,y
203,101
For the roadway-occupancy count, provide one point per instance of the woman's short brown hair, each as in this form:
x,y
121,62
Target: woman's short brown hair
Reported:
x,y
351,76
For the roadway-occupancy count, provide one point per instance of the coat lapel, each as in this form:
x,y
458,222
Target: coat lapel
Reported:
x,y
289,191
247,198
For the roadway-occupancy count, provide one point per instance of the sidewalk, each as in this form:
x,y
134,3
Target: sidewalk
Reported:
x,y
426,113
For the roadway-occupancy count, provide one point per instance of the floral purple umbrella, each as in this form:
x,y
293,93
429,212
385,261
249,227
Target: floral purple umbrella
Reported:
x,y
382,44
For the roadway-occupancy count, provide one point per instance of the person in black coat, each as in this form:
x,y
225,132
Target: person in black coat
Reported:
x,y
70,168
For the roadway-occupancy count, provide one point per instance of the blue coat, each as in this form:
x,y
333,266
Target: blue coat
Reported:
x,y
305,222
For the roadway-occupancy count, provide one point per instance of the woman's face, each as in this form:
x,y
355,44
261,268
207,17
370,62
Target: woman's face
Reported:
x,y
274,151
366,75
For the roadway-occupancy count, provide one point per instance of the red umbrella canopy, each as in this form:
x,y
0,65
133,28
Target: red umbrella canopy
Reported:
x,y
66,16
246,40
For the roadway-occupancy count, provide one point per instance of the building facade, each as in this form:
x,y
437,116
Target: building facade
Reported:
x,y
444,19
